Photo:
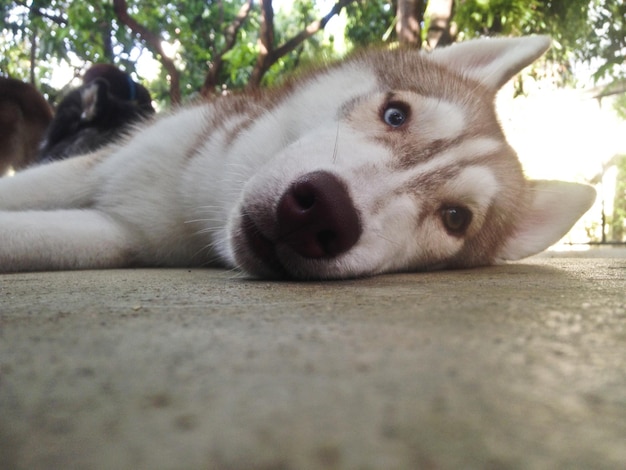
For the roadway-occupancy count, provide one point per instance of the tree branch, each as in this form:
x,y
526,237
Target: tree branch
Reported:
x,y
230,34
311,29
269,55
59,20
154,43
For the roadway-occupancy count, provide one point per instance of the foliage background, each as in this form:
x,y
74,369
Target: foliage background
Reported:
x,y
38,35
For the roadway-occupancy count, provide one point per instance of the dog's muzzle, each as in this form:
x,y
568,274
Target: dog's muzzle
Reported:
x,y
315,219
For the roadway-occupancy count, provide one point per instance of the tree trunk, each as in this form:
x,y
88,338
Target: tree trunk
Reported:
x,y
107,42
410,15
266,44
441,13
33,56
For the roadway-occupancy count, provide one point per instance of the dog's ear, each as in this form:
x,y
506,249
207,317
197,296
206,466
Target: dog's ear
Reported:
x,y
555,207
94,98
492,61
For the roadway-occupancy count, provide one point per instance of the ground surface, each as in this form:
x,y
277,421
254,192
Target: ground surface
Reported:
x,y
513,367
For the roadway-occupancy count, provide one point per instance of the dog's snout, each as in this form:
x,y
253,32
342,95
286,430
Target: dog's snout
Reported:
x,y
317,218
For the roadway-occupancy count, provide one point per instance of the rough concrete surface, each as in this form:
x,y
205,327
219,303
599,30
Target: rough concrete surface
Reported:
x,y
513,367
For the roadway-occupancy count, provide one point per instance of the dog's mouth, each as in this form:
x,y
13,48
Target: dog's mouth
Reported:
x,y
262,247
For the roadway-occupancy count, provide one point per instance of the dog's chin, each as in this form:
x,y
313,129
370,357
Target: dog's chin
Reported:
x,y
255,253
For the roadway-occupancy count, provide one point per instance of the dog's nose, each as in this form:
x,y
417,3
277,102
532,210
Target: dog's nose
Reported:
x,y
316,216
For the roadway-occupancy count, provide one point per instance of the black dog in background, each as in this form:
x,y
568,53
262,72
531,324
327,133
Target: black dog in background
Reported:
x,y
96,113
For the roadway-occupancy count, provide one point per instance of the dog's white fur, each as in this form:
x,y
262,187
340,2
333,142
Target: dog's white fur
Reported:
x,y
203,185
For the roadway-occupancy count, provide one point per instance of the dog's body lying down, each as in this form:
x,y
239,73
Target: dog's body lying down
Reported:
x,y
389,161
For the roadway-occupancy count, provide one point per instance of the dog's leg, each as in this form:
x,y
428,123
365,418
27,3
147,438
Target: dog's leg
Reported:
x,y
59,185
64,239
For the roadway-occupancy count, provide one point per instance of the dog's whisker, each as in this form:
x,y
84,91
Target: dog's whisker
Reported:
x,y
236,273
209,230
387,239
336,147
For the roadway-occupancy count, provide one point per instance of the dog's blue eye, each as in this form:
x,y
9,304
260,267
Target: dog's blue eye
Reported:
x,y
394,116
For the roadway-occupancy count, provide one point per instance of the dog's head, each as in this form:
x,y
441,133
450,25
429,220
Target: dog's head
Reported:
x,y
395,161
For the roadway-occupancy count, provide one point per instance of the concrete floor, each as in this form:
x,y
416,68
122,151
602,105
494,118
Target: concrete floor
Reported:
x,y
514,367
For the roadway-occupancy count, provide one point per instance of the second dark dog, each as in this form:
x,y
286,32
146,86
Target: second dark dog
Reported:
x,y
96,113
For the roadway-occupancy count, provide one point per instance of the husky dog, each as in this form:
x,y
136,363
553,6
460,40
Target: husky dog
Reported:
x,y
388,161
